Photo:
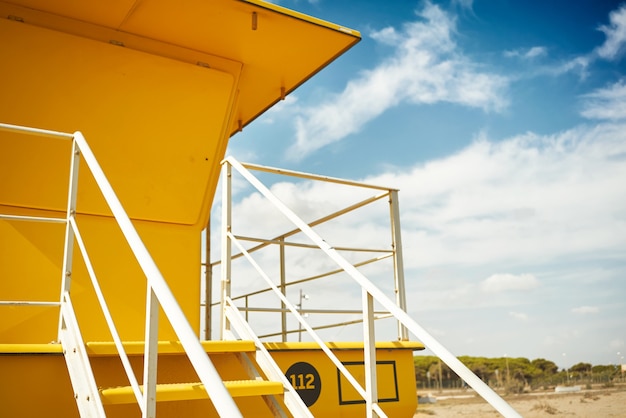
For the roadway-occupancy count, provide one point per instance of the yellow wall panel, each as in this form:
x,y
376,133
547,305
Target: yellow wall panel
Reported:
x,y
31,257
156,125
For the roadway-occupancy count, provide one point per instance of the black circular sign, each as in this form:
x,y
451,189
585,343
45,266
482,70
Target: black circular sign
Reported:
x,y
306,381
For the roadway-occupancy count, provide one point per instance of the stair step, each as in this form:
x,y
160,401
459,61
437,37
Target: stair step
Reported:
x,y
169,347
31,349
190,391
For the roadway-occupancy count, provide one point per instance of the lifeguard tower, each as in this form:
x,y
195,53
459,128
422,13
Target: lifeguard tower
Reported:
x,y
115,120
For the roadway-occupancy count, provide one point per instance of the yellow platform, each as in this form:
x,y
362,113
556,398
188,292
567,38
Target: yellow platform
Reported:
x,y
41,368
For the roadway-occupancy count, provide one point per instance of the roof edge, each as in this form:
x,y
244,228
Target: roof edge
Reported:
x,y
301,16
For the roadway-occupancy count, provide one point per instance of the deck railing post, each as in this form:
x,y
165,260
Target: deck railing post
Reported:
x,y
150,354
226,245
398,263
208,284
283,289
369,354
68,253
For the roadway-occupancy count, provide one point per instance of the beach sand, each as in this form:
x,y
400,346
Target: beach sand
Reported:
x,y
595,403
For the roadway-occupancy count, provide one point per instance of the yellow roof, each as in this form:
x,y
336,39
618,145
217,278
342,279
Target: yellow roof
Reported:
x,y
274,49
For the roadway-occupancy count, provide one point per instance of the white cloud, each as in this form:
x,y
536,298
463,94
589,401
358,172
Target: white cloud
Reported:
x,y
530,53
286,106
464,4
615,35
577,64
611,49
426,68
523,201
617,344
519,315
536,51
586,310
607,103
514,200
505,282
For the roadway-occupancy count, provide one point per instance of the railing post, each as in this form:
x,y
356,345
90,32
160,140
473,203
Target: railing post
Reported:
x,y
208,283
68,253
226,245
398,263
283,289
369,354
150,354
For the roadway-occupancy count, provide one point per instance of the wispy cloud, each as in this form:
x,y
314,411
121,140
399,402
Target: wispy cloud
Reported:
x,y
506,282
611,49
606,103
586,310
512,200
464,4
507,202
504,206
519,315
615,33
530,53
426,67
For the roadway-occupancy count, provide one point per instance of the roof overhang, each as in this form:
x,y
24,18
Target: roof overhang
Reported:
x,y
271,49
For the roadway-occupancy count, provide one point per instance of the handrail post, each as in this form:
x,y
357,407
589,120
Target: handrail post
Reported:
x,y
398,263
283,289
208,283
68,253
150,356
369,354
226,245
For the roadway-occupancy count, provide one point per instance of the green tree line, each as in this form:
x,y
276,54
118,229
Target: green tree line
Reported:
x,y
511,374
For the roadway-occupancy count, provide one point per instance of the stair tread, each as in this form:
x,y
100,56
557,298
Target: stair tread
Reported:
x,y
189,391
31,349
108,348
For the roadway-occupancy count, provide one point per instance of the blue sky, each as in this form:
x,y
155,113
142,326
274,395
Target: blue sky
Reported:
x,y
503,124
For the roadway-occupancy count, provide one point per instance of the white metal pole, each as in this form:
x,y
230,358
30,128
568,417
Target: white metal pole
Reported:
x,y
208,284
226,245
68,254
150,356
369,354
398,262
283,289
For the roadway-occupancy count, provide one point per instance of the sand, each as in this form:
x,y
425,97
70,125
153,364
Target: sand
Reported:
x,y
594,403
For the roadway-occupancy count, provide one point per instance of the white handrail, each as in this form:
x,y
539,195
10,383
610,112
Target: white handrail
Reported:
x,y
32,218
107,314
158,290
223,402
340,366
429,341
28,303
293,401
35,131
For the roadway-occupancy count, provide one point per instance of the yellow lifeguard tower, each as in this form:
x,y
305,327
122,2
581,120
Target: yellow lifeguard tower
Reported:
x,y
115,117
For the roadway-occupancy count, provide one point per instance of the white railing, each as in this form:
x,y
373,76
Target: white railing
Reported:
x,y
158,292
370,294
394,252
